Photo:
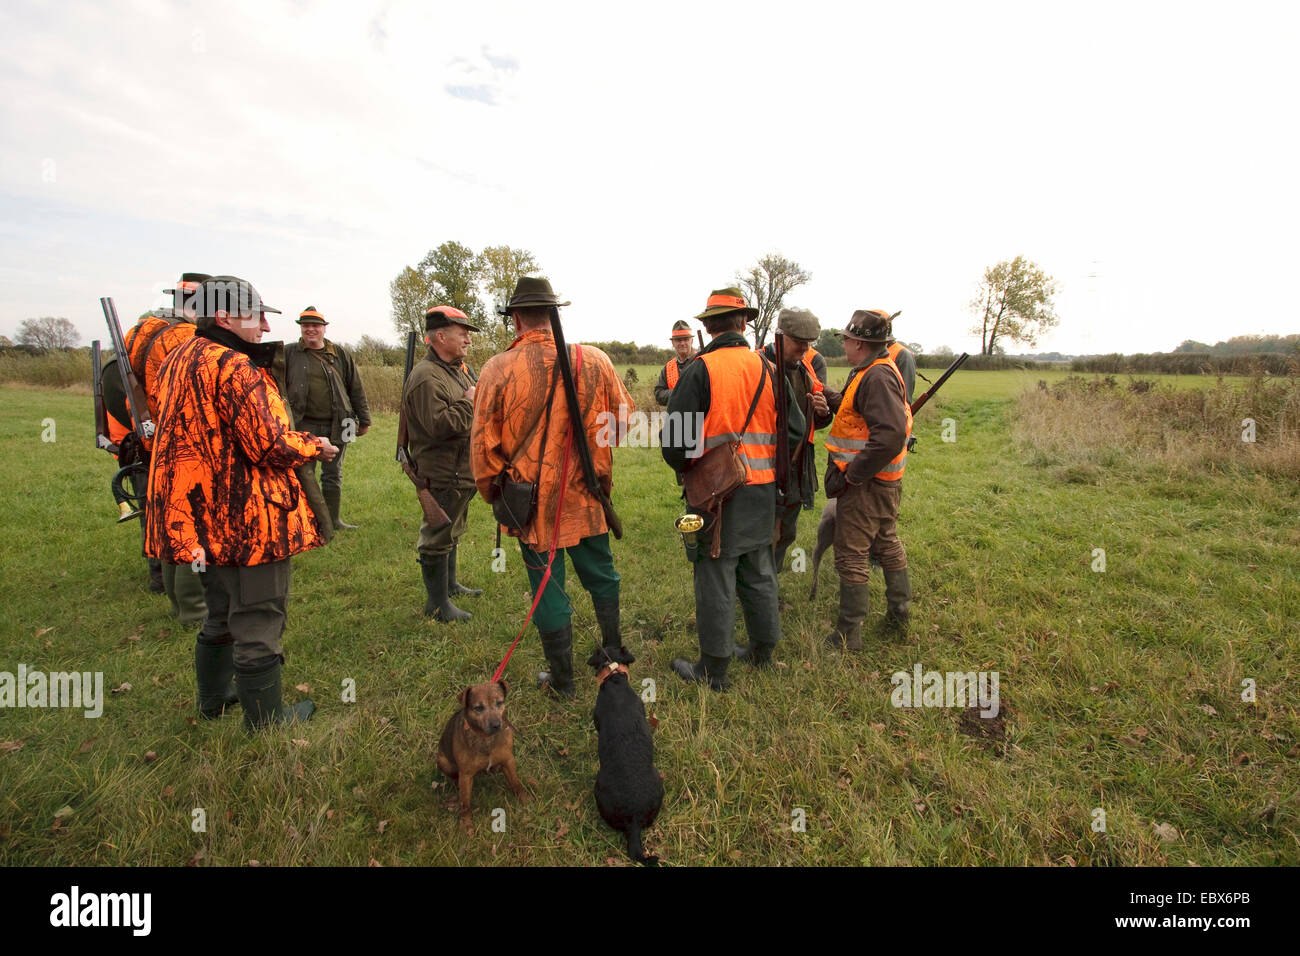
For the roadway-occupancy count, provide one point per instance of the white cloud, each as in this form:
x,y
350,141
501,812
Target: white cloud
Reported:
x,y
1143,155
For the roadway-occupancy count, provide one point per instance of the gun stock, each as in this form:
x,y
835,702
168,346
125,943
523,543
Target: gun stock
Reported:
x,y
920,402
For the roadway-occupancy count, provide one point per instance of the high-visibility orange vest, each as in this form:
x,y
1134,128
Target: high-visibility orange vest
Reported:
x,y
734,374
850,434
893,350
671,374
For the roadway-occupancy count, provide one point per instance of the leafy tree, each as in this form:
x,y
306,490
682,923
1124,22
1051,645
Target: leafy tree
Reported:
x,y
830,344
765,285
499,269
452,274
942,352
47,333
409,293
1014,303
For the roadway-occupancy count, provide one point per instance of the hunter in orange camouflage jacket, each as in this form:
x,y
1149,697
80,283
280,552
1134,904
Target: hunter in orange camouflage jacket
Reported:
x,y
221,482
509,412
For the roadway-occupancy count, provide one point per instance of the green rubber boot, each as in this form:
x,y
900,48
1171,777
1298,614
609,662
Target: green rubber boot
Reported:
x,y
454,587
214,671
558,648
898,594
439,606
854,599
259,694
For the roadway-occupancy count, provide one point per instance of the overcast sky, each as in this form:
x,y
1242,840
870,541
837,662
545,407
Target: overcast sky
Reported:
x,y
1144,154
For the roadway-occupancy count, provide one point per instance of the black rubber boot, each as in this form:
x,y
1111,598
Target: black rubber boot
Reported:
x,y
558,648
607,618
156,585
707,668
439,606
898,594
854,600
332,496
757,655
214,671
259,693
454,587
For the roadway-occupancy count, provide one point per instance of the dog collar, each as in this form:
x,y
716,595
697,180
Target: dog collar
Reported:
x,y
608,671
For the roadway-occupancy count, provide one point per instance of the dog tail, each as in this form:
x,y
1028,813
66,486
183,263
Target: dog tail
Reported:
x,y
634,849
817,563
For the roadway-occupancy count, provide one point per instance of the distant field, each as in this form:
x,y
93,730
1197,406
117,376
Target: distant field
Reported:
x,y
1148,710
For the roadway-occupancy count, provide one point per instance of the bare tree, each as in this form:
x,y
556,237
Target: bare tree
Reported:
x,y
1014,302
765,285
47,333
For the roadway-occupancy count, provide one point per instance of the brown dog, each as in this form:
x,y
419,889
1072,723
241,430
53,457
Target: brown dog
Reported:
x,y
479,738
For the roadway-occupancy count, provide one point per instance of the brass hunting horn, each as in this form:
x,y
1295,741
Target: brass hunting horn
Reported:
x,y
688,525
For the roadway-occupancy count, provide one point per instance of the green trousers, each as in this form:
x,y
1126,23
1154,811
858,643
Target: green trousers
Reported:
x,y
594,563
718,582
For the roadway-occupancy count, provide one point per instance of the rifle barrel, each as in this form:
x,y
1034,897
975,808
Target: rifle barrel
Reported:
x,y
916,405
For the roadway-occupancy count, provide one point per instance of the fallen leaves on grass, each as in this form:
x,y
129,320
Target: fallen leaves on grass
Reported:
x,y
1241,759
43,631
150,756
168,792
298,741
1166,832
383,825
303,688
10,746
1207,709
197,858
121,688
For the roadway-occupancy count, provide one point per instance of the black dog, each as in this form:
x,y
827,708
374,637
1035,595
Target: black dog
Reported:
x,y
629,789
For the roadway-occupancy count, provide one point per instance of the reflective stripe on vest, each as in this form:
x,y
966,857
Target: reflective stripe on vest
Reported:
x,y
850,434
733,378
671,374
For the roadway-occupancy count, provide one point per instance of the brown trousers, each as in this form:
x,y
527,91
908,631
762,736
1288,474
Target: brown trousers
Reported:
x,y
866,519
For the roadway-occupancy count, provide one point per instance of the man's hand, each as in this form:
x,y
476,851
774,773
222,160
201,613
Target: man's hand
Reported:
x,y
362,430
328,450
469,392
819,404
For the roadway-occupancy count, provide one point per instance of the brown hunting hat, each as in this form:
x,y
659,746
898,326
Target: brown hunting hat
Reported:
x,y
310,316
869,325
531,292
441,316
722,301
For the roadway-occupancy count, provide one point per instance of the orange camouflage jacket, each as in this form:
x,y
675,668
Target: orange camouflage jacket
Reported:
x,y
506,436
221,480
151,341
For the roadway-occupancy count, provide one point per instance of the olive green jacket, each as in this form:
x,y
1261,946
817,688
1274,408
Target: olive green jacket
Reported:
x,y
438,420
348,394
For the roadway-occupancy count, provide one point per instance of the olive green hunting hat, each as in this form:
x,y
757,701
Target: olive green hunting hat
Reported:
x,y
532,292
869,325
798,324
722,301
682,330
310,316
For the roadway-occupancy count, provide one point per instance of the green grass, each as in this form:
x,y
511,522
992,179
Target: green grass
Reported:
x,y
1121,690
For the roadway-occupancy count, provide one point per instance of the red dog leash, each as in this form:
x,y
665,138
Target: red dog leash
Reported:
x,y
555,532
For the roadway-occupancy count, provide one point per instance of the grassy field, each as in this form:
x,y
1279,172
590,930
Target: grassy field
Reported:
x,y
1121,690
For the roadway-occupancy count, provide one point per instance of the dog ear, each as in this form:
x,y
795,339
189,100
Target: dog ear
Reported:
x,y
597,658
622,655
505,688
464,697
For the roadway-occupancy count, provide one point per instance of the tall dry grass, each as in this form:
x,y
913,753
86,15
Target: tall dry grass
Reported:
x,y
1103,423
53,369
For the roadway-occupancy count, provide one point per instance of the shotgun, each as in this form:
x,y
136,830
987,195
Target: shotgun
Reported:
x,y
916,405
135,399
434,516
578,429
700,335
782,421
